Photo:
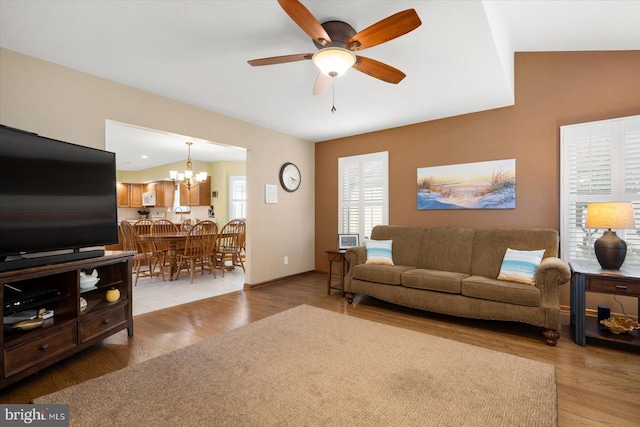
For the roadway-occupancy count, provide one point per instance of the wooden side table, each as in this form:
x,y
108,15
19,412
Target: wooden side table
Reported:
x,y
589,277
335,256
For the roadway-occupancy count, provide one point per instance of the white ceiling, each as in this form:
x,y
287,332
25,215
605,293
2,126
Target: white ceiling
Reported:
x,y
459,61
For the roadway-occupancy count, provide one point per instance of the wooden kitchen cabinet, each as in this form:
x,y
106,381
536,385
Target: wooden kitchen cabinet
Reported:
x,y
135,191
200,195
73,326
129,195
165,191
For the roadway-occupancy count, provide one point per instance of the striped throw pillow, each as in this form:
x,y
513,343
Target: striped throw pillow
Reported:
x,y
379,252
520,266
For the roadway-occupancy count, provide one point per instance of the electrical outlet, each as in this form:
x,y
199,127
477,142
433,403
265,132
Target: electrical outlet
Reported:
x,y
286,260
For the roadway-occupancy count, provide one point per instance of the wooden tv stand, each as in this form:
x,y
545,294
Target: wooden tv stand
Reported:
x,y
71,329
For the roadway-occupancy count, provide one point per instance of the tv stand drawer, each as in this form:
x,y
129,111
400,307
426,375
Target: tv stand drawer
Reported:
x,y
107,320
30,353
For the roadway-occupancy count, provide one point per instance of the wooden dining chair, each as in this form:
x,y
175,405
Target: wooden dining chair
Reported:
x,y
186,225
242,245
199,250
143,226
143,256
230,245
159,227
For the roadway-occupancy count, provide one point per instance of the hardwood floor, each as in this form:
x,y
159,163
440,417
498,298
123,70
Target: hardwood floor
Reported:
x,y
597,386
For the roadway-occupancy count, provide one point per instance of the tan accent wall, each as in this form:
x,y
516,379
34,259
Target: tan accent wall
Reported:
x,y
72,106
551,89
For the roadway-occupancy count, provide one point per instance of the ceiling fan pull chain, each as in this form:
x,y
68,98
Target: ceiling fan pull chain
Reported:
x,y
333,107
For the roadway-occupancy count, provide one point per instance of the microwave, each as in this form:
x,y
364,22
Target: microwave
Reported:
x,y
149,199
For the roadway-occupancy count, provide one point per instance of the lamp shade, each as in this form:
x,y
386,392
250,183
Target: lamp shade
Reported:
x,y
334,61
610,215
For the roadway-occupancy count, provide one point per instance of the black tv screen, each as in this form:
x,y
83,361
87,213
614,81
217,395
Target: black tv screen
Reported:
x,y
54,195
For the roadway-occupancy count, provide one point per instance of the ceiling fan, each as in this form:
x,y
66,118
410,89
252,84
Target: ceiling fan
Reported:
x,y
336,41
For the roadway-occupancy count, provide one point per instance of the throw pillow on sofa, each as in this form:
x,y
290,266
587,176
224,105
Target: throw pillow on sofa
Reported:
x,y
520,266
379,252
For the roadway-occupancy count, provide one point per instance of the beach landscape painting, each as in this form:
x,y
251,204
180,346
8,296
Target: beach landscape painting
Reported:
x,y
480,185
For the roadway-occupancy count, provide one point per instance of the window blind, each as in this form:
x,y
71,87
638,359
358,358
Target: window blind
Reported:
x,y
600,162
363,195
238,192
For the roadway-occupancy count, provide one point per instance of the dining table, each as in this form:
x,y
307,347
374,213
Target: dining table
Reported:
x,y
173,238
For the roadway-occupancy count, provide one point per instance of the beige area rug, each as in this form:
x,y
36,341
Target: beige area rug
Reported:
x,y
308,366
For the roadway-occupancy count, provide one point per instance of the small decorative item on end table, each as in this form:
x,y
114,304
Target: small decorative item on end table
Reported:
x,y
346,241
589,277
335,256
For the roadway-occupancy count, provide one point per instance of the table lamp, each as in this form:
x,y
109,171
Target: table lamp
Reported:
x,y
610,249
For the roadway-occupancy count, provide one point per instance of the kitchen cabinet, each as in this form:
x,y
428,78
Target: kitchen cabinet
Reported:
x,y
122,191
129,195
165,191
136,191
200,195
74,325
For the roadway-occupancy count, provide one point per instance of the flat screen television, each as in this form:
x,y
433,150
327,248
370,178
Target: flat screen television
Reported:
x,y
54,196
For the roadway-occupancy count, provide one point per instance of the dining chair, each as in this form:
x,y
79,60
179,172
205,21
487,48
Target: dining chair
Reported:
x,y
163,226
242,245
143,226
186,225
231,245
131,242
199,250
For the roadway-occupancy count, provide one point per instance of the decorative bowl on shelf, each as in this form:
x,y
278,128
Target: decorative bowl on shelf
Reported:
x,y
88,280
620,325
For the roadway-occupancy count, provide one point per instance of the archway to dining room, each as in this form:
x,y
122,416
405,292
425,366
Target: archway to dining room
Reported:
x,y
154,161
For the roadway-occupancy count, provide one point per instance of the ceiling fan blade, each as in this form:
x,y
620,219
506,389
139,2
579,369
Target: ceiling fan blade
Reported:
x,y
378,70
388,29
322,84
306,21
280,59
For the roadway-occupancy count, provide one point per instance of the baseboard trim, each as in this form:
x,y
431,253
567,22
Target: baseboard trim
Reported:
x,y
248,287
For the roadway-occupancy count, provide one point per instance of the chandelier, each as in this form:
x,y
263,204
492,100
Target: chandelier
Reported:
x,y
189,178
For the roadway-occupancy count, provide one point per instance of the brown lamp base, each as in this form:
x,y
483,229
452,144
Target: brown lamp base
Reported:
x,y
610,250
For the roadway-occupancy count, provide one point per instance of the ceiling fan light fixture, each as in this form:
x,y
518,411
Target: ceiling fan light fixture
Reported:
x,y
334,61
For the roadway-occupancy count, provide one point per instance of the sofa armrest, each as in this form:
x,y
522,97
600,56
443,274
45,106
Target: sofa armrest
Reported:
x,y
552,272
354,256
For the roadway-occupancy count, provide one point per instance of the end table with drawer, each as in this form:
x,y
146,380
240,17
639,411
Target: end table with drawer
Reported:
x,y
336,256
590,277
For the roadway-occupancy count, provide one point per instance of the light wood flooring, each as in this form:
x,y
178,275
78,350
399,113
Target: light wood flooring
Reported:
x,y
597,386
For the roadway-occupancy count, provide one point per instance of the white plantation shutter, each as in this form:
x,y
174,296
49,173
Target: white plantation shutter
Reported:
x,y
363,193
238,192
631,155
600,162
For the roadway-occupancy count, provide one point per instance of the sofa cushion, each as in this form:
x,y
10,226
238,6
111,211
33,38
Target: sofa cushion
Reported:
x,y
406,241
387,274
520,266
489,247
433,280
500,290
447,249
379,251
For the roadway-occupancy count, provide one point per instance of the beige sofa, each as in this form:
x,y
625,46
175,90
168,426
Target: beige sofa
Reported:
x,y
454,271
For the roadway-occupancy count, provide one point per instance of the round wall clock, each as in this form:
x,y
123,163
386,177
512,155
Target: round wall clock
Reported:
x,y
290,177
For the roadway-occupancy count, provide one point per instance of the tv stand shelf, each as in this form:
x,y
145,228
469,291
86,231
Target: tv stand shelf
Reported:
x,y
72,327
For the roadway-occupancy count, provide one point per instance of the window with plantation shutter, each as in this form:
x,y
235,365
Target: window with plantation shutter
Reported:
x,y
238,193
600,162
363,193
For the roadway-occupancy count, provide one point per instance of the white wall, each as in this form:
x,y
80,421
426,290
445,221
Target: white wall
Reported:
x,y
69,105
